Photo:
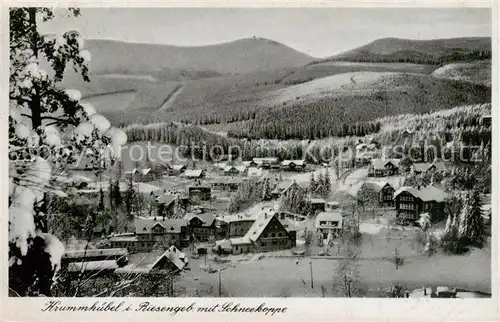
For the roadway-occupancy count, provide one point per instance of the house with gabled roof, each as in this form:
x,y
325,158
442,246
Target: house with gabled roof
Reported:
x,y
177,169
293,165
267,233
411,202
200,191
383,190
173,260
317,204
153,230
424,167
285,187
266,163
232,170
201,227
165,205
383,167
330,222
194,174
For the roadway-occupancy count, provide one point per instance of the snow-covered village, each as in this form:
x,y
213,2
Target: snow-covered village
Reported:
x,y
244,167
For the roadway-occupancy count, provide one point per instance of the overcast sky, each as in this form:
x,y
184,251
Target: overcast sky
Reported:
x,y
317,32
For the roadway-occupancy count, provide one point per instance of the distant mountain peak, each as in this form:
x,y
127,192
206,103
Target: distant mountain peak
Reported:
x,y
239,56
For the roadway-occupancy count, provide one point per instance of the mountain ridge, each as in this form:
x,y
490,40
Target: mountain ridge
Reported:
x,y
236,57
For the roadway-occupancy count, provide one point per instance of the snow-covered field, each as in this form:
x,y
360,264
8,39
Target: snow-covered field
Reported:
x,y
329,86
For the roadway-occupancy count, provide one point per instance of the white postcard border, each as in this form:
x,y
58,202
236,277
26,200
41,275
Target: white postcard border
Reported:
x,y
304,309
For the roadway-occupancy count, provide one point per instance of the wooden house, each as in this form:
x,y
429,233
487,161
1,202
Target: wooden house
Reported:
x,y
201,227
383,167
293,165
382,191
200,191
267,233
411,202
329,223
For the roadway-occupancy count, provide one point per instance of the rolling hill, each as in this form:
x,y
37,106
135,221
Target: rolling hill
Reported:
x,y
347,104
163,61
477,72
436,51
258,88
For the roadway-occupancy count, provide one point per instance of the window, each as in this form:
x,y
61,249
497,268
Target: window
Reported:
x,y
272,235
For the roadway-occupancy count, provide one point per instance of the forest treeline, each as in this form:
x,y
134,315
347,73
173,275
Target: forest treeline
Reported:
x,y
454,127
355,115
414,57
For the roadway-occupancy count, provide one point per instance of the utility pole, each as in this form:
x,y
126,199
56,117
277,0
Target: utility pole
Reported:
x,y
312,280
220,284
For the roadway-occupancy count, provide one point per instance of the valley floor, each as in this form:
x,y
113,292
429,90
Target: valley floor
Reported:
x,y
265,277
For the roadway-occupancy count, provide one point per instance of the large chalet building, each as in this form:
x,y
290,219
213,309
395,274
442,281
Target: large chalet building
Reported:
x,y
383,167
293,165
329,223
411,202
201,227
418,168
285,187
234,225
383,190
266,234
150,232
200,191
265,163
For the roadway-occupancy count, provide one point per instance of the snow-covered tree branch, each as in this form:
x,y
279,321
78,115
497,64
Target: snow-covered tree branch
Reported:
x,y
48,128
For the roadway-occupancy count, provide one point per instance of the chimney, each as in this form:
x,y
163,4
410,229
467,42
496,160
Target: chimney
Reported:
x,y
265,215
418,187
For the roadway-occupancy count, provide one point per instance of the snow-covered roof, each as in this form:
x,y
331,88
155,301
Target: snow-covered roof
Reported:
x,y
145,171
375,185
145,225
79,253
240,241
380,164
166,199
224,243
133,171
258,227
263,160
123,238
429,193
254,172
92,266
193,173
335,216
237,168
317,200
286,163
206,218
423,167
178,166
238,217
220,165
175,256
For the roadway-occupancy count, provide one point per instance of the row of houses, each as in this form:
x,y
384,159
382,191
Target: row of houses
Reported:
x,y
247,234
151,232
98,262
264,232
409,202
262,163
389,167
